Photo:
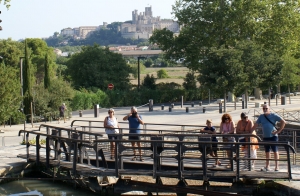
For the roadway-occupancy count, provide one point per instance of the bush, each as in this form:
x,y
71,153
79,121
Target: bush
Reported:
x,y
162,73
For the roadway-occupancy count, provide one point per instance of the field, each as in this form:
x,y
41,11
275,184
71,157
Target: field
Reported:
x,y
176,74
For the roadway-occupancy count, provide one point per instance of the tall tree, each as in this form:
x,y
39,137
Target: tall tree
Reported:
x,y
10,97
27,82
47,72
97,67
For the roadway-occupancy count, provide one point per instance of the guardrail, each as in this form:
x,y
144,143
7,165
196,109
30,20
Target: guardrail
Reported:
x,y
155,146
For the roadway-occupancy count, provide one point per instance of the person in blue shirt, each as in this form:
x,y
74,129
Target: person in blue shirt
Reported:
x,y
135,121
270,134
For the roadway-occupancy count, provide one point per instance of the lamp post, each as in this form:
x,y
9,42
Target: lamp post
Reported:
x,y
139,57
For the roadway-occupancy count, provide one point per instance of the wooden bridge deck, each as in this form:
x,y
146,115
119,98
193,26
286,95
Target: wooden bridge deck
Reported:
x,y
191,171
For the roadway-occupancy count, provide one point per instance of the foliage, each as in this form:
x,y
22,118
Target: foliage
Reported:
x,y
38,51
84,99
211,25
48,100
27,82
190,81
11,51
148,62
162,73
97,67
6,3
10,97
149,82
47,72
134,69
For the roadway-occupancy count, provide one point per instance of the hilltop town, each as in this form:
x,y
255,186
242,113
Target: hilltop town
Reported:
x,y
141,26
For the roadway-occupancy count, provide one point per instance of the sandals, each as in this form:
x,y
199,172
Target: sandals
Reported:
x,y
134,158
141,159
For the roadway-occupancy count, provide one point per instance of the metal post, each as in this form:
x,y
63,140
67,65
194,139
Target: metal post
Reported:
x,y
181,101
220,108
139,57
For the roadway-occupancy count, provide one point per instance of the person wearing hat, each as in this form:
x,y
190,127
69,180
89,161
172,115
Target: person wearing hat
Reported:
x,y
209,129
268,122
135,122
244,126
111,127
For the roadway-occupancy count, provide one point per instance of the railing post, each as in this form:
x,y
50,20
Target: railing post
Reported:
x,y
75,157
37,139
47,151
180,163
117,143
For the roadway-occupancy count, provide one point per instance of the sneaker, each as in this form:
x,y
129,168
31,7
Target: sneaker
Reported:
x,y
265,169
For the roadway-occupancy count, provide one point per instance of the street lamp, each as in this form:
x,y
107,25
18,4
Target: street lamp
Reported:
x,y
139,57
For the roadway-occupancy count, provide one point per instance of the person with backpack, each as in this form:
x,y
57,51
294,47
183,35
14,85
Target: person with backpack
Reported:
x,y
111,127
62,110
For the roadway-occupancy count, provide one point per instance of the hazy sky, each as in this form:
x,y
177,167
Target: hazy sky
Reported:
x,y
41,18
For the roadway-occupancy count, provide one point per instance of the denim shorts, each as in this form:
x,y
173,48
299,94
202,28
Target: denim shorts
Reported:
x,y
269,147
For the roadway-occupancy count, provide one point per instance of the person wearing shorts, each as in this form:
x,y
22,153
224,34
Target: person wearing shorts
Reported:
x,y
268,121
135,121
111,127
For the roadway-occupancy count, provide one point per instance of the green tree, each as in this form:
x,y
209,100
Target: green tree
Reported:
x,y
190,81
162,73
27,82
9,92
97,67
11,51
47,73
148,62
6,3
149,82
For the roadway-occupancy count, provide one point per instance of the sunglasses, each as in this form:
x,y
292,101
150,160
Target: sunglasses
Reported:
x,y
226,118
245,117
110,112
265,108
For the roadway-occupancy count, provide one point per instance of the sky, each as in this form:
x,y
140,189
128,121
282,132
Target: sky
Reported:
x,y
41,18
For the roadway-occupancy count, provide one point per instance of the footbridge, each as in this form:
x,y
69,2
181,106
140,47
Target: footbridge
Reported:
x,y
81,154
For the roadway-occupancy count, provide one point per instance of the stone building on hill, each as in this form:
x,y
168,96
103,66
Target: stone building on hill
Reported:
x,y
143,25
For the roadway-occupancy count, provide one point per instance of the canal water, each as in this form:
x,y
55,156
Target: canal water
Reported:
x,y
41,188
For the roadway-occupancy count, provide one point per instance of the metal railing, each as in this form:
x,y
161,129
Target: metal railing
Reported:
x,y
179,148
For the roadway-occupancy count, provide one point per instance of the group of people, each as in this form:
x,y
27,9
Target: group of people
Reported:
x,y
112,127
267,120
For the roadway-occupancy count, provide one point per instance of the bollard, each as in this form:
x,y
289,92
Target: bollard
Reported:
x,y
243,105
200,103
265,102
172,105
162,107
220,108
187,109
150,105
80,113
96,110
170,109
192,104
204,109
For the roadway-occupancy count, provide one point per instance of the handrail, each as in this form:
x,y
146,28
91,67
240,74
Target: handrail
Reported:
x,y
180,149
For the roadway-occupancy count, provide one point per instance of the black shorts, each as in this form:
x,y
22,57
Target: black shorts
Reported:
x,y
61,114
134,137
112,137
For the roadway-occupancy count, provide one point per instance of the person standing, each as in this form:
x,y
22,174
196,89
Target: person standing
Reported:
x,y
111,127
62,110
227,126
244,126
135,121
268,122
209,129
